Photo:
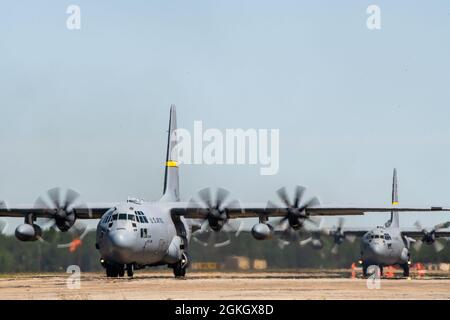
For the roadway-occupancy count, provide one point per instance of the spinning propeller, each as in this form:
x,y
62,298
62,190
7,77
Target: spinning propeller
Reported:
x,y
339,236
296,210
60,203
216,219
429,236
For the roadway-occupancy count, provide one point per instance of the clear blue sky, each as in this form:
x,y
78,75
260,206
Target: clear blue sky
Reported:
x,y
88,109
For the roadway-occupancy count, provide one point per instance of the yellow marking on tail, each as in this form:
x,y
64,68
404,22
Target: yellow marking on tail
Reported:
x,y
171,164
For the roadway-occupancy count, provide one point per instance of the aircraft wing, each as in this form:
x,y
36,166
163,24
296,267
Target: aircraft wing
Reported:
x,y
356,232
261,209
88,211
417,234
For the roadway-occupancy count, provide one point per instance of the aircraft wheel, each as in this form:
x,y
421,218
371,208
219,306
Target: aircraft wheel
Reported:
x,y
179,268
179,271
381,270
406,270
111,271
364,270
121,271
130,270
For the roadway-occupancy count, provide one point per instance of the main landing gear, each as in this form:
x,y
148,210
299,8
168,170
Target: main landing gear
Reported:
x,y
405,268
179,268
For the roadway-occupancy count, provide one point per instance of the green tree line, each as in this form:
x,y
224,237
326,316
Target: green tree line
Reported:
x,y
17,256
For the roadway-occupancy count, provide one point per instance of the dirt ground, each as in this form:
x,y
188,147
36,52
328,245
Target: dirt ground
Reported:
x,y
219,285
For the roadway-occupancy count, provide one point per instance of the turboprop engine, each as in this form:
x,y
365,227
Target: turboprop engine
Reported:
x,y
59,204
28,232
262,231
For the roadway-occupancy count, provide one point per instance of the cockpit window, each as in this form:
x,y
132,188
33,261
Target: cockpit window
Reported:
x,y
387,236
114,217
122,216
131,217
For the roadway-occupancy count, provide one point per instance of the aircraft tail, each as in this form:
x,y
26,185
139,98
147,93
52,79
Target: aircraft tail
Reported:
x,y
171,184
395,221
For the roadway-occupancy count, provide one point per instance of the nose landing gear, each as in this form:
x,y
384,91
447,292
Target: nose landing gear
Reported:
x,y
118,270
130,270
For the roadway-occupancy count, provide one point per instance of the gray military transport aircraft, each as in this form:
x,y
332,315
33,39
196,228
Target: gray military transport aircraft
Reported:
x,y
135,234
390,245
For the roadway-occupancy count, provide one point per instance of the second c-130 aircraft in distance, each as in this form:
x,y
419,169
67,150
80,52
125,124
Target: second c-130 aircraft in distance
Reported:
x,y
390,244
135,234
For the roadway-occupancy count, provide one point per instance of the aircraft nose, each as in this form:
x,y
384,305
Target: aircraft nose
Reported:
x,y
121,245
121,239
376,249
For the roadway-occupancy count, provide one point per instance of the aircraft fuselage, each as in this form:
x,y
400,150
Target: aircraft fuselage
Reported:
x,y
140,234
384,247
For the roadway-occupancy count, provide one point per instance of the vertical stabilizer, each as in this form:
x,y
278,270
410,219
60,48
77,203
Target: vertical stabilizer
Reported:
x,y
394,222
171,185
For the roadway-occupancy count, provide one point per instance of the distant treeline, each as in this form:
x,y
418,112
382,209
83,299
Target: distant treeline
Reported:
x,y
17,256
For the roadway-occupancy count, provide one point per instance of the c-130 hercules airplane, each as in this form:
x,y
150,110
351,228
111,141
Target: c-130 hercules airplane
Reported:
x,y
135,234
390,244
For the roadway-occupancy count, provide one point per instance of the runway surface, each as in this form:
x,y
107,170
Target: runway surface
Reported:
x,y
219,285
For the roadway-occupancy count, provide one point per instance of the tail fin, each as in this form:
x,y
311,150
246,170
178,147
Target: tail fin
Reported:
x,y
171,184
395,221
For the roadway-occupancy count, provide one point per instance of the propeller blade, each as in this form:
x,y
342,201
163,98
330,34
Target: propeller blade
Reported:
x,y
41,203
205,227
272,205
46,223
70,198
234,204
319,222
313,202
335,249
444,225
313,221
350,238
418,225
54,196
221,196
305,242
79,229
282,243
326,231
418,245
2,226
299,191
340,223
202,235
283,224
194,204
205,196
316,222
283,196
220,239
438,246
